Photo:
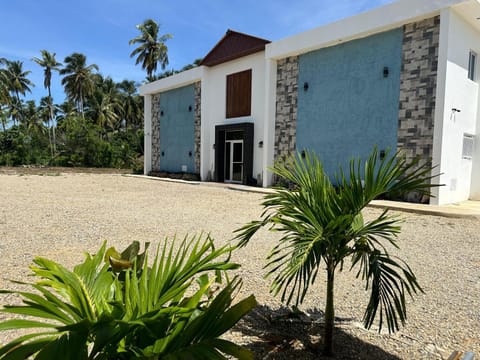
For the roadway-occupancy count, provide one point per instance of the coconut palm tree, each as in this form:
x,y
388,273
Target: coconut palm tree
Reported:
x,y
17,84
5,98
103,110
49,64
152,49
322,227
15,110
132,104
4,89
78,80
104,106
65,110
17,78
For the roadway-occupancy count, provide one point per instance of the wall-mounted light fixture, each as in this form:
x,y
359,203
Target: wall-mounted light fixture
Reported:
x,y
190,153
455,110
305,86
189,108
161,113
386,71
163,153
260,144
382,154
303,154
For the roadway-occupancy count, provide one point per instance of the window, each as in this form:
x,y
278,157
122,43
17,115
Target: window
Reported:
x,y
468,143
472,64
239,94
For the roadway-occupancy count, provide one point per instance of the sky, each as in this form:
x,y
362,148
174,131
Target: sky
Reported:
x,y
101,29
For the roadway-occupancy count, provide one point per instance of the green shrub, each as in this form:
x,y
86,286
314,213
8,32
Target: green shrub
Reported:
x,y
113,307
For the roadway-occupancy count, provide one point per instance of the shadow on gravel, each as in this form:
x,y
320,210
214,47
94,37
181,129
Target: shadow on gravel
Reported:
x,y
284,334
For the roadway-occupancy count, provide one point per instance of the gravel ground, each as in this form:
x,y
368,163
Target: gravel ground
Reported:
x,y
60,216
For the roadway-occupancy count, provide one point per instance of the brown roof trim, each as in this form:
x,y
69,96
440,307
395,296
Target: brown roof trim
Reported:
x,y
233,45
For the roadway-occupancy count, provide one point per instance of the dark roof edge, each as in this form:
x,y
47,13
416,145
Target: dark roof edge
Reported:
x,y
235,56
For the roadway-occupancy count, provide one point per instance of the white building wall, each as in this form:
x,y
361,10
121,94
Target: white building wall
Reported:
x,y
214,83
457,38
147,137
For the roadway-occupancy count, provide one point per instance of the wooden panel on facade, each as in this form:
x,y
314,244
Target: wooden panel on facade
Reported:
x,y
239,94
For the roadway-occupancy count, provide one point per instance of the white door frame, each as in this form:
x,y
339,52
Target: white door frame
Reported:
x,y
231,162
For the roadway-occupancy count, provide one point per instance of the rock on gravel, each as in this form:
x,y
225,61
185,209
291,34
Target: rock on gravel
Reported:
x,y
62,215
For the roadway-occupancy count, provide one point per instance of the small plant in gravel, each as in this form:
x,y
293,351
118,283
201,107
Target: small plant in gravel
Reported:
x,y
322,226
113,306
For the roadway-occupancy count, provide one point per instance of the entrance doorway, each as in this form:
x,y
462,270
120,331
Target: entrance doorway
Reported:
x,y
234,153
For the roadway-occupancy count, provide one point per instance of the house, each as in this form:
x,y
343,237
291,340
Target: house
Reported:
x,y
403,76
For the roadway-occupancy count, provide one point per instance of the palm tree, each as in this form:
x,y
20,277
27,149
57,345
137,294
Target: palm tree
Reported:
x,y
17,78
5,98
104,106
78,80
17,83
46,113
49,64
152,49
322,226
32,120
15,110
131,104
104,111
4,90
65,110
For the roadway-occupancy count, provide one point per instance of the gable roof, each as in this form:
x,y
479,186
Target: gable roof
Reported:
x,y
232,46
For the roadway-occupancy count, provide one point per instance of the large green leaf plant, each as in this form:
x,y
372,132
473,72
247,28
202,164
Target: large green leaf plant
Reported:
x,y
322,226
114,306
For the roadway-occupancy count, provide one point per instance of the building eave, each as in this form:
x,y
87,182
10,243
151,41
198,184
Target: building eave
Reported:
x,y
175,81
381,19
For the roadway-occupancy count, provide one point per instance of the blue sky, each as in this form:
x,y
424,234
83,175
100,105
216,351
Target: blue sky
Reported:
x,y
101,29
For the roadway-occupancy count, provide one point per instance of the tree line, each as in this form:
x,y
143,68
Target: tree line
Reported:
x,y
100,122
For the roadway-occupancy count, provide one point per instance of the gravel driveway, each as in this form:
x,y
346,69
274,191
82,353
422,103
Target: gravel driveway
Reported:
x,y
62,215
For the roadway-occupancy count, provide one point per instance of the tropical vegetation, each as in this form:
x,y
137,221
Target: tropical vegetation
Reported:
x,y
100,121
322,227
114,306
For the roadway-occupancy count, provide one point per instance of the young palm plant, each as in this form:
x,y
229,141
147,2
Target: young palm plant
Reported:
x,y
322,226
113,307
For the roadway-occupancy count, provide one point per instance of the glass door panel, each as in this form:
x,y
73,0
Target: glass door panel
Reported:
x,y
228,162
234,161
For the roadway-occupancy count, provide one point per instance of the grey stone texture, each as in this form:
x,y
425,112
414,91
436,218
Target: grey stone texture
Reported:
x,y
286,107
197,123
418,81
156,132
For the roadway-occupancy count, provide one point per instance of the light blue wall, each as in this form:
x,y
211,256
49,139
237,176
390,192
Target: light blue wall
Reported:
x,y
177,129
350,106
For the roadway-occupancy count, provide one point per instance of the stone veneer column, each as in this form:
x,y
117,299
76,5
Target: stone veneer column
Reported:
x,y
156,132
197,123
286,107
418,81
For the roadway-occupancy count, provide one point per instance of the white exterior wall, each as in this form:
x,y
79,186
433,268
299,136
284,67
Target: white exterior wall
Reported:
x,y
214,84
455,91
147,137
269,117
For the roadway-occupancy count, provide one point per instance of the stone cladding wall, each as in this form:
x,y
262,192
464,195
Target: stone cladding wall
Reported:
x,y
418,81
197,123
286,107
156,132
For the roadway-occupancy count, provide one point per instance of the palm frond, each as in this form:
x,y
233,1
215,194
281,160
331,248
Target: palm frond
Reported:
x,y
390,279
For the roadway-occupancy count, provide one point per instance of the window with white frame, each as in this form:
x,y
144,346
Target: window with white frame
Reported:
x,y
472,65
468,144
